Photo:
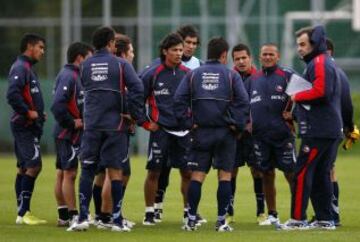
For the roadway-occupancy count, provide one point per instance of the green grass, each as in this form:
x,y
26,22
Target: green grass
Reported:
x,y
44,206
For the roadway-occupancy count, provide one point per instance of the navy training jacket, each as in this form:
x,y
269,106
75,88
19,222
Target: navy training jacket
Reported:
x,y
160,83
68,103
268,101
323,117
212,96
104,78
24,94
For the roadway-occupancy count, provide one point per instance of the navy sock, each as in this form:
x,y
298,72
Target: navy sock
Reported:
x,y
27,188
85,192
96,192
335,201
223,198
232,197
18,181
259,194
194,195
116,192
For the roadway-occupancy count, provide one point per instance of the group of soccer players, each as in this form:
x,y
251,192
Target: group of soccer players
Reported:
x,y
199,115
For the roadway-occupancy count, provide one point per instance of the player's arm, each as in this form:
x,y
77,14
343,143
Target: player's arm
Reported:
x,y
323,79
239,108
63,94
14,95
182,102
135,95
347,110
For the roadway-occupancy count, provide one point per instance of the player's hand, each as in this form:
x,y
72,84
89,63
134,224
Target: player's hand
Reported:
x,y
128,118
153,126
248,128
78,124
292,97
45,116
287,115
32,115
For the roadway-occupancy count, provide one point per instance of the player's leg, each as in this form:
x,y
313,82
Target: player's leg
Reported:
x,y
97,191
259,194
28,153
160,193
224,160
157,159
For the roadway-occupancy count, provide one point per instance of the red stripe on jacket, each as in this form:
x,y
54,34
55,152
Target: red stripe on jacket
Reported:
x,y
318,89
300,185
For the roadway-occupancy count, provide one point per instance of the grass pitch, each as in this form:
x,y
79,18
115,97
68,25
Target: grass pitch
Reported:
x,y
44,206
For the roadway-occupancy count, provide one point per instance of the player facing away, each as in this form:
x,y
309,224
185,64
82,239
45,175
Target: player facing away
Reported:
x,y
25,98
102,185
318,113
191,39
244,149
105,140
67,108
168,144
201,100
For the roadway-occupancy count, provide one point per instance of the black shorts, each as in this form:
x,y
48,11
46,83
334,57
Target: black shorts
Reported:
x,y
27,148
167,150
269,156
212,147
66,154
244,152
108,149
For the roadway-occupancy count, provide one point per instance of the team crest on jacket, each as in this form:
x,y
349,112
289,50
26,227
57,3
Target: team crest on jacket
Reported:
x,y
306,149
279,88
210,81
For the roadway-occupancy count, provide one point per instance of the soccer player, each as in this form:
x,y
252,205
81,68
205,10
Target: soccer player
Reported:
x,y
348,127
318,114
212,101
242,59
25,98
105,139
67,110
168,146
191,39
102,184
273,136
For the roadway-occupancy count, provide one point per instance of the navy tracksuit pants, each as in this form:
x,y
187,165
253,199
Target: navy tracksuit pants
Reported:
x,y
312,178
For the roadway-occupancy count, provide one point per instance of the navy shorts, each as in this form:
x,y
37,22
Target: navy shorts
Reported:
x,y
66,154
244,152
167,150
27,148
269,156
212,147
108,149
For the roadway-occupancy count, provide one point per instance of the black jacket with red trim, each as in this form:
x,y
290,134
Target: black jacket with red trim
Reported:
x,y
268,101
24,94
68,103
160,83
212,96
104,78
319,112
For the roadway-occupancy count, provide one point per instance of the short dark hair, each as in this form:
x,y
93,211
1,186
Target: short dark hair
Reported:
x,y
330,46
240,47
78,48
30,38
188,31
306,30
122,44
102,36
270,44
216,47
169,41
